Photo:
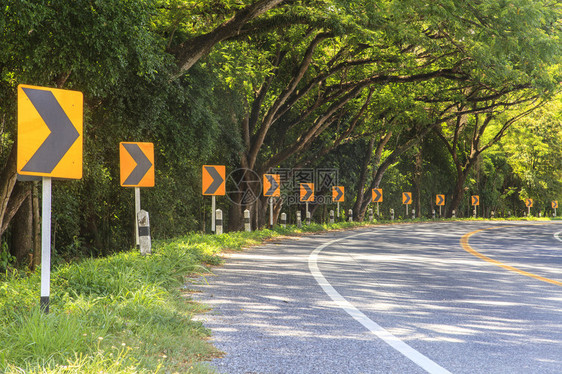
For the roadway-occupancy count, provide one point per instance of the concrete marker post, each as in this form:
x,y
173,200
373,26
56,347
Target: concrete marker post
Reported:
x,y
332,216
454,214
433,213
413,214
371,218
392,214
143,223
350,214
218,222
299,221
308,219
247,224
284,220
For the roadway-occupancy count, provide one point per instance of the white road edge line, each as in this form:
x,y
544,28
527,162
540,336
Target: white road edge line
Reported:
x,y
557,235
419,359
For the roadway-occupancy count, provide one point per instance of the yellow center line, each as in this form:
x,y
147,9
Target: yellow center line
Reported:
x,y
469,249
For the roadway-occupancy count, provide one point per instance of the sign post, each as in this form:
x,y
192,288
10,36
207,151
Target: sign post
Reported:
x,y
377,197
213,214
529,205
440,201
136,162
475,201
338,195
307,193
213,184
406,200
271,188
46,244
49,145
137,210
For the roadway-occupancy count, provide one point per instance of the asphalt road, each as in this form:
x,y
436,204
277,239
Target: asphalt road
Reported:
x,y
393,299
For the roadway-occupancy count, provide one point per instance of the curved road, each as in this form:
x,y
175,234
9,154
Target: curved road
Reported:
x,y
459,297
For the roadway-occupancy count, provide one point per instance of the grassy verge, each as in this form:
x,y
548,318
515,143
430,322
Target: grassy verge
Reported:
x,y
121,314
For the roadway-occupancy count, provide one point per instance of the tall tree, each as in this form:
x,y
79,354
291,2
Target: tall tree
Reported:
x,y
466,137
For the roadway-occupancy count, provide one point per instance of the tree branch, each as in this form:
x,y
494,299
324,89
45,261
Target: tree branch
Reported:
x,y
190,51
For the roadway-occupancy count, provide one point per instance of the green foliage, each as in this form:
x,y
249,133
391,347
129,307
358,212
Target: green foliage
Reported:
x,y
6,259
533,152
51,337
99,304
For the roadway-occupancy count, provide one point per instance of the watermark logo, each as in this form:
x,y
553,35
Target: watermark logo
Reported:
x,y
244,186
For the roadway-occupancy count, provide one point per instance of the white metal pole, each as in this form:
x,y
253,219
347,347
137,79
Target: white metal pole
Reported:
x,y
213,215
306,211
271,212
137,210
46,245
338,211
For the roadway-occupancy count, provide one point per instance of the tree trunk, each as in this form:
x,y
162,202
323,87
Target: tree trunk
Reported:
x,y
458,194
263,212
36,227
236,215
22,231
417,181
8,178
361,195
19,193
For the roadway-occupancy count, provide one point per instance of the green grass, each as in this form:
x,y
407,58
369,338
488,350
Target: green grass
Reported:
x,y
121,314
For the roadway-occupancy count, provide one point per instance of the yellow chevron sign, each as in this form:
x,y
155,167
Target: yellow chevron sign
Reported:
x,y
50,128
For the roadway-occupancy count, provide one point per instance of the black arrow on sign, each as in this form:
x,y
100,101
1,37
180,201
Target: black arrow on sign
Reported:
x,y
143,164
474,200
378,195
308,192
339,193
217,180
440,200
273,183
408,198
63,133
528,203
